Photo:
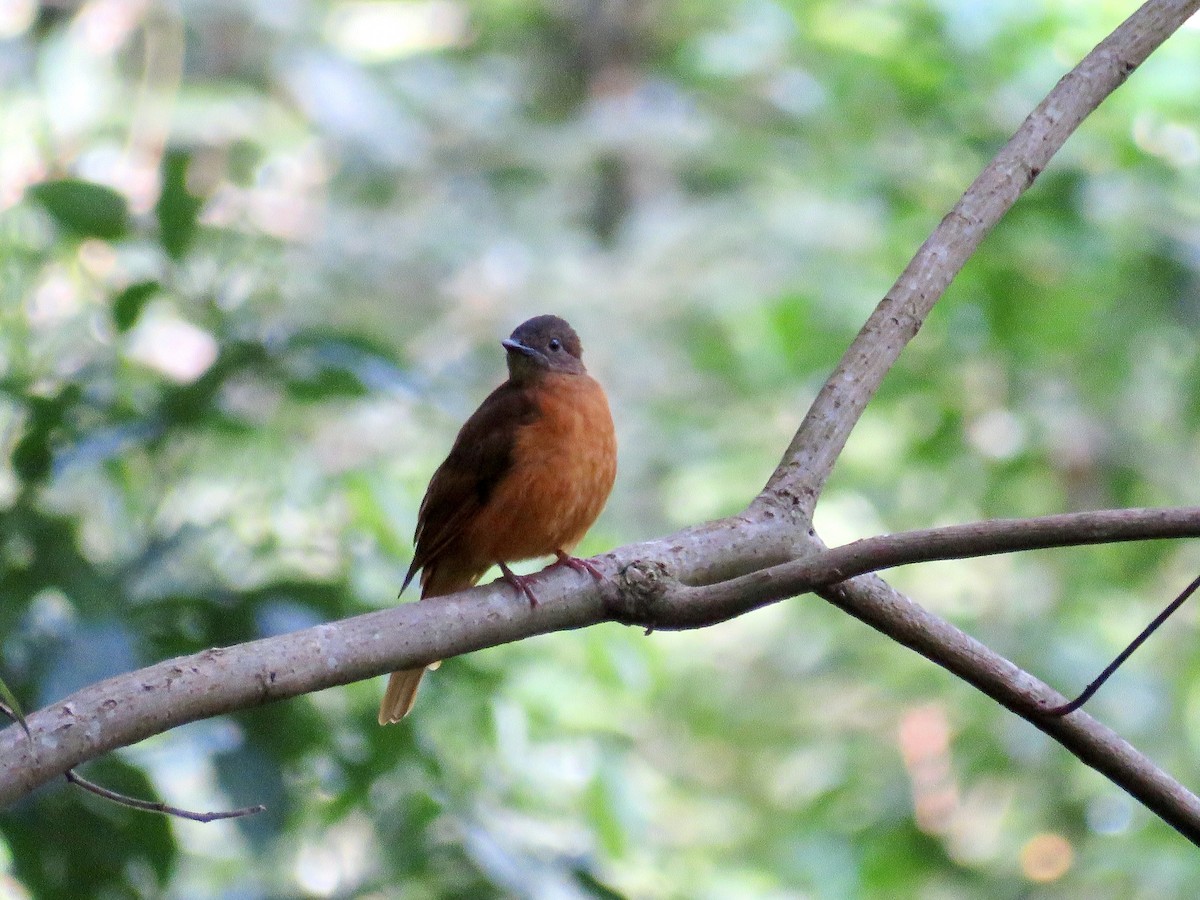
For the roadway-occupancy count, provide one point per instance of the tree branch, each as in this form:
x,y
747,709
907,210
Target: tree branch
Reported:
x,y
682,606
808,460
873,601
644,588
154,806
125,709
1171,608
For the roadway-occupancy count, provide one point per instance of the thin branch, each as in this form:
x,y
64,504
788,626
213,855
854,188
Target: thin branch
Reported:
x,y
1088,692
797,483
686,606
75,778
871,600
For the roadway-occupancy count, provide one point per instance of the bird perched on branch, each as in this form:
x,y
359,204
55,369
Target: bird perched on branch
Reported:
x,y
527,476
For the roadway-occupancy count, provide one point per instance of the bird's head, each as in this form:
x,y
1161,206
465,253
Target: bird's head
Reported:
x,y
543,344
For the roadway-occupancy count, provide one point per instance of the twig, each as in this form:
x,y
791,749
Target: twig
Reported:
x,y
1068,708
75,778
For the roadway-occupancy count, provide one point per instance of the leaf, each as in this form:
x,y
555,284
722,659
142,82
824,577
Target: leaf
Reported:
x,y
593,886
177,208
128,304
328,384
84,208
14,707
32,457
323,363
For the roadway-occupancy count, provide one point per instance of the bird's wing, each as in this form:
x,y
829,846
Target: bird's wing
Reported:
x,y
478,461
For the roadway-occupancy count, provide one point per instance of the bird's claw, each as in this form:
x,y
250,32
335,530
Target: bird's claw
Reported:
x,y
520,584
579,565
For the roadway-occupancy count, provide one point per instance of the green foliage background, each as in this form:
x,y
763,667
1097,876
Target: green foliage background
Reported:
x,y
254,262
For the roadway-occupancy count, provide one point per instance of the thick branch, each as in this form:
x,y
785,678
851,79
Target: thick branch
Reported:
x,y
125,709
130,707
809,459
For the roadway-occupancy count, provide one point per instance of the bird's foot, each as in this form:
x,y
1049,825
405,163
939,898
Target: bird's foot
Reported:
x,y
579,565
520,584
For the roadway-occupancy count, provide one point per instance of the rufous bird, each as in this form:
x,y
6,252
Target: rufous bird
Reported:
x,y
527,476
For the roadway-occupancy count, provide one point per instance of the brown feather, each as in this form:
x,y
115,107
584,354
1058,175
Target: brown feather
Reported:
x,y
527,475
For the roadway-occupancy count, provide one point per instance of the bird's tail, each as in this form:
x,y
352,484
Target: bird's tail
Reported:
x,y
401,691
400,696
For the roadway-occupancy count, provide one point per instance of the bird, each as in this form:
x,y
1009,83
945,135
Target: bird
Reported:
x,y
529,472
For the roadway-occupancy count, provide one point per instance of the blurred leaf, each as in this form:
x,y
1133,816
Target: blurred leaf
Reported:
x,y
128,305
31,457
252,775
177,208
323,364
194,403
84,208
604,811
14,707
594,887
326,384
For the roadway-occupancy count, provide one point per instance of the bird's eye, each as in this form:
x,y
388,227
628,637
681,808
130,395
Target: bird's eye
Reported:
x,y
555,344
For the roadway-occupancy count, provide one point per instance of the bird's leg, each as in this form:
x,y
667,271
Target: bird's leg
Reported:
x,y
520,583
579,565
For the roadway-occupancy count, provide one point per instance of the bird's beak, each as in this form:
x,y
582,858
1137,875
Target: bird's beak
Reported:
x,y
517,347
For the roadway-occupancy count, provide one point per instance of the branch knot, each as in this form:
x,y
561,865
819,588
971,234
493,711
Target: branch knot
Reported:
x,y
640,585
